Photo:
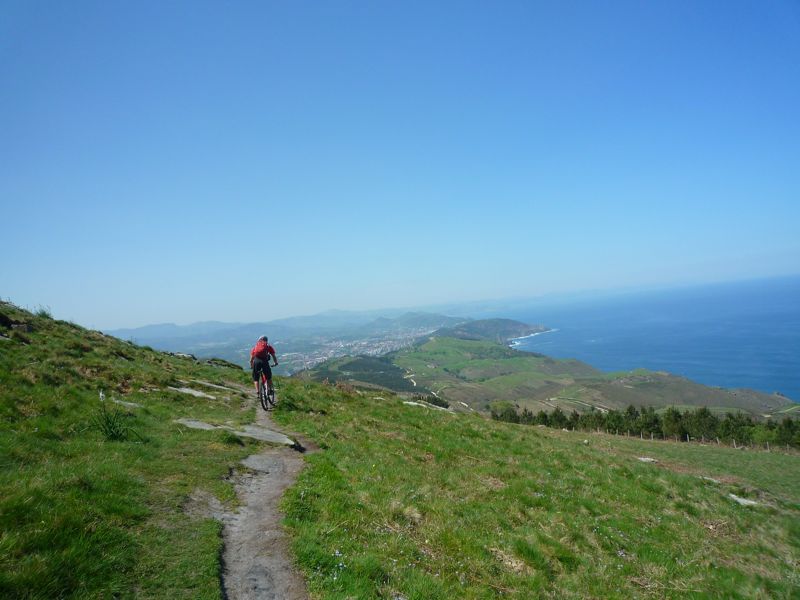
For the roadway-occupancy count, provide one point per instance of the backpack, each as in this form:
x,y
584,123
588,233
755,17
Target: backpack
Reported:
x,y
261,350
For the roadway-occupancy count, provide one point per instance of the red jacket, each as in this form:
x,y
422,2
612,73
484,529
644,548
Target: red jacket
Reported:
x,y
262,350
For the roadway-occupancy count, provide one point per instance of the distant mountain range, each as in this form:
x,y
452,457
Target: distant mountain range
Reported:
x,y
301,339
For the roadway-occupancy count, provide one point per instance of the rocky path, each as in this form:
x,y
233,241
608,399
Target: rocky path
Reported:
x,y
256,563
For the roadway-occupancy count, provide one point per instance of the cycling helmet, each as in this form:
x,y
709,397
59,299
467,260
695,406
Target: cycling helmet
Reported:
x,y
263,338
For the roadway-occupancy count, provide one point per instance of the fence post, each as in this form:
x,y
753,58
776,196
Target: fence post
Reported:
x,y
767,446
687,437
717,441
734,444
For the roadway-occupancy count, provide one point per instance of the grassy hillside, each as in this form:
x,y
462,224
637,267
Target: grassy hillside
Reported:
x,y
402,501
416,503
86,515
480,372
365,370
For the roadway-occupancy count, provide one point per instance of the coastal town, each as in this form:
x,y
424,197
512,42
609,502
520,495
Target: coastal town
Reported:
x,y
297,355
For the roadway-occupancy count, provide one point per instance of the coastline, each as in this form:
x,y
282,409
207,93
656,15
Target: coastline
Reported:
x,y
514,342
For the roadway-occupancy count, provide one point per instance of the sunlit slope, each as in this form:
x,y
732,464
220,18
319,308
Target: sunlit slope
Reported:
x,y
411,502
473,371
478,373
91,514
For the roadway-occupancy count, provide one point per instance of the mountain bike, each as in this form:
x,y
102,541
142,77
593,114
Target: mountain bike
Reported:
x,y
266,392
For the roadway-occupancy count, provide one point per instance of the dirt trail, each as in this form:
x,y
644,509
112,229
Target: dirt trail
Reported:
x,y
256,563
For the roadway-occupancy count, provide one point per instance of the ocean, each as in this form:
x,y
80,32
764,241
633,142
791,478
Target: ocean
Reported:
x,y
733,335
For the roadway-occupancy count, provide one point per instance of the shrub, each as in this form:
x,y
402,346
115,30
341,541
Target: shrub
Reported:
x,y
112,424
43,312
431,399
345,387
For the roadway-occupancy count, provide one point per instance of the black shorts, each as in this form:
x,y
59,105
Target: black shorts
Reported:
x,y
261,366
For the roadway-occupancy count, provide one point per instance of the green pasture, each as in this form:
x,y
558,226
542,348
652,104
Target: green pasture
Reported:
x,y
404,501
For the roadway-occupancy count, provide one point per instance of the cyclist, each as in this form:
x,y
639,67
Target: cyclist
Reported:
x,y
259,361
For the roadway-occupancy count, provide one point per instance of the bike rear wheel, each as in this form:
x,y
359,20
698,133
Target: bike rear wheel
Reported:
x,y
262,395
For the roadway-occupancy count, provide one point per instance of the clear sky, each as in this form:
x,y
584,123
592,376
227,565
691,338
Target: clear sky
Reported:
x,y
242,161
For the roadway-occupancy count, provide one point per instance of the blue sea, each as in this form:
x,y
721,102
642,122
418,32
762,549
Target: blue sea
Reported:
x,y
734,335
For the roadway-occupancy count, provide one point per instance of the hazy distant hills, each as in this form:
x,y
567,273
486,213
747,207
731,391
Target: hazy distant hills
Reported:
x,y
170,330
300,339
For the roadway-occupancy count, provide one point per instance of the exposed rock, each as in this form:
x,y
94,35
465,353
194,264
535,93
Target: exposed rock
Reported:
x,y
191,392
213,385
193,424
255,432
128,404
742,501
424,405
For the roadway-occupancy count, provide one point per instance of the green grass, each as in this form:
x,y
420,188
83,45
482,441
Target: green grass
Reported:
x,y
377,371
776,473
400,501
413,502
93,494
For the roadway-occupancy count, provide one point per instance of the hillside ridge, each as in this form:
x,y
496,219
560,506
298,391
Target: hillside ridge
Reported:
x,y
105,490
475,371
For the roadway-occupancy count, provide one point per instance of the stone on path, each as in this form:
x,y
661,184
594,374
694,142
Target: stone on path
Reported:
x,y
250,431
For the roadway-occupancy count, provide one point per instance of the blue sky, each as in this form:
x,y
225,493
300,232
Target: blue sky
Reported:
x,y
251,160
